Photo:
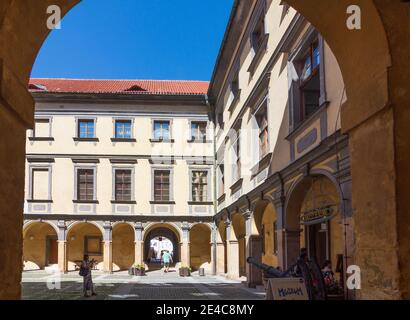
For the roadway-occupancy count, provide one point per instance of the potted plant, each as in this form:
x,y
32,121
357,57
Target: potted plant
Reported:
x,y
137,270
185,271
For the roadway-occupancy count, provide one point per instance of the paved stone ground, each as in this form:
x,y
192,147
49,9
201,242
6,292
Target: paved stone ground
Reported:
x,y
41,285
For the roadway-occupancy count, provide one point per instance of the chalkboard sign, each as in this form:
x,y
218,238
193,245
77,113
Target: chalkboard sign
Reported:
x,y
286,289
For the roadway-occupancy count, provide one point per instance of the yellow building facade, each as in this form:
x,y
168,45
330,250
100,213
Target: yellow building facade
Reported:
x,y
107,172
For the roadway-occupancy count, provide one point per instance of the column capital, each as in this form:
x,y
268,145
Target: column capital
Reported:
x,y
185,226
107,225
138,226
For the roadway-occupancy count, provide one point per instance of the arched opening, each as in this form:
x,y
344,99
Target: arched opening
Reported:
x,y
123,246
314,221
200,247
157,239
238,234
84,238
266,223
40,247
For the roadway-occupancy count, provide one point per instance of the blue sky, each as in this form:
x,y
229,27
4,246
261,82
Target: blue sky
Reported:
x,y
136,39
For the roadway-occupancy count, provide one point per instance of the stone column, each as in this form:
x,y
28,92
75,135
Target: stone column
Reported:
x,y
220,257
213,250
185,252
139,244
16,116
107,263
253,243
280,231
232,246
62,247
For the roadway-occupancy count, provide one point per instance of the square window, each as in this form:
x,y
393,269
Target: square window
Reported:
x,y
198,131
86,129
123,129
162,130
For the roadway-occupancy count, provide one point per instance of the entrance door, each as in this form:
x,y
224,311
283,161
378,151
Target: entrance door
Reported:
x,y
52,250
317,242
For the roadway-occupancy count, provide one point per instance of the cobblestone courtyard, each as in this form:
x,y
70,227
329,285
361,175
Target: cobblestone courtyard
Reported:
x,y
41,285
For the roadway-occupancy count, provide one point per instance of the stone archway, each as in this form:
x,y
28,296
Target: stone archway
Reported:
x,y
40,247
161,232
376,79
314,220
84,238
200,247
123,246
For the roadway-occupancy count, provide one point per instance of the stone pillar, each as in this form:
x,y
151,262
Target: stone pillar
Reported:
x,y
253,244
16,115
213,250
62,247
185,252
107,263
139,244
280,231
220,258
232,246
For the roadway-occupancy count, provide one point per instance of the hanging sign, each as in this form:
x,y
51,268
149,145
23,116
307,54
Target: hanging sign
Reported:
x,y
318,215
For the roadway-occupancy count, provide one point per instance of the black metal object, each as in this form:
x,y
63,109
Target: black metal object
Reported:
x,y
308,270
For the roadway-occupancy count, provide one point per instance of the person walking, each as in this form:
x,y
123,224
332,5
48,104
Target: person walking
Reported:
x,y
167,259
85,272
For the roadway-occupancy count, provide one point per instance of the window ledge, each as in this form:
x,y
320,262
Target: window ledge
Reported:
x,y
86,201
40,138
86,139
307,122
161,202
221,198
39,201
235,101
123,202
162,140
261,165
199,141
258,55
199,203
123,140
236,186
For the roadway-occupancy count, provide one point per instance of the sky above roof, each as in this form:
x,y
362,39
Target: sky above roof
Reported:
x,y
136,39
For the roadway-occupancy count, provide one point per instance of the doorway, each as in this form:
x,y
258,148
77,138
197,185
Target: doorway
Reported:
x,y
318,242
52,250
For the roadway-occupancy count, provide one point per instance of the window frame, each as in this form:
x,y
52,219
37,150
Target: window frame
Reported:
x,y
114,184
208,171
80,119
295,68
171,184
205,138
49,137
76,183
30,190
123,120
161,139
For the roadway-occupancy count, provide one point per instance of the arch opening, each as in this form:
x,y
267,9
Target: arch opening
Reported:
x,y
200,247
123,246
40,246
84,238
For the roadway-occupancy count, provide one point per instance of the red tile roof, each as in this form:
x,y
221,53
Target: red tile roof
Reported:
x,y
160,87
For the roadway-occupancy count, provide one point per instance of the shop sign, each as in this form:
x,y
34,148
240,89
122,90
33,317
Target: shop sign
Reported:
x,y
286,289
318,215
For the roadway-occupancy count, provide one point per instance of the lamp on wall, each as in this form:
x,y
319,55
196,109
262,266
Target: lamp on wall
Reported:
x,y
72,238
31,238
